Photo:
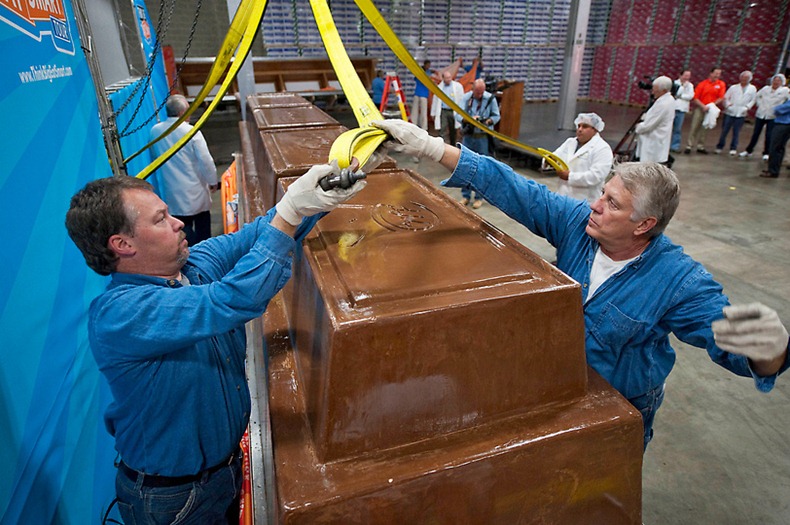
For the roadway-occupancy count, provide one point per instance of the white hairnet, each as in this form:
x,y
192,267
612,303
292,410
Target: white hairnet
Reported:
x,y
591,119
780,76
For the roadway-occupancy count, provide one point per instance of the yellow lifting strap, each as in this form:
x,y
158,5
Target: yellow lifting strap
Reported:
x,y
241,34
377,21
359,142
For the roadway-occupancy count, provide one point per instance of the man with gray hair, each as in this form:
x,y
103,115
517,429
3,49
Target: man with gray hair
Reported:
x,y
654,133
768,98
589,159
186,180
738,100
637,287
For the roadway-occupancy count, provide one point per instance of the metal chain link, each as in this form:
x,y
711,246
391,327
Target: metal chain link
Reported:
x,y
150,66
198,6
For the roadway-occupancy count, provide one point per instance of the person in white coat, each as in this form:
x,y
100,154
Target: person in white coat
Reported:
x,y
444,118
589,159
654,133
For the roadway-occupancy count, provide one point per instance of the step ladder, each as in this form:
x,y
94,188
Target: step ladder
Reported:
x,y
392,81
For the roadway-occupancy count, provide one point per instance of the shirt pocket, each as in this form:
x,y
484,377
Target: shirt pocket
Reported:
x,y
614,330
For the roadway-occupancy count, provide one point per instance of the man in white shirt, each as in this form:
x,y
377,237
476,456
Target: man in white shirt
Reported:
x,y
738,100
444,117
589,159
683,96
655,131
767,99
186,180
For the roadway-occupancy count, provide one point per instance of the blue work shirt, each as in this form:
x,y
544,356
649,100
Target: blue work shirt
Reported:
x,y
420,89
174,355
782,112
629,319
378,90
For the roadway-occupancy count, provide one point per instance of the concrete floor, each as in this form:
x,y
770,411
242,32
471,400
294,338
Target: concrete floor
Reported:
x,y
721,453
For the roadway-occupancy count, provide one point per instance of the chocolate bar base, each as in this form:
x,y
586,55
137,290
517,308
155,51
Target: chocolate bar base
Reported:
x,y
573,463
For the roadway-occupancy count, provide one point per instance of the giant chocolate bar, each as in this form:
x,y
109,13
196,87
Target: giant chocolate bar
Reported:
x,y
277,100
414,318
573,463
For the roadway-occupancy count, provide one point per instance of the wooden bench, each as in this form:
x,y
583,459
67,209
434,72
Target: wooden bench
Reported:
x,y
310,77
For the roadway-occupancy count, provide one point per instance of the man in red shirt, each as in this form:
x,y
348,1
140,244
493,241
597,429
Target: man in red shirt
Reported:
x,y
709,91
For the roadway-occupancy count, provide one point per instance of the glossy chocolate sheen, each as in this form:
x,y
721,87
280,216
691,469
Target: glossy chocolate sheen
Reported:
x,y
262,100
573,463
414,319
291,152
269,118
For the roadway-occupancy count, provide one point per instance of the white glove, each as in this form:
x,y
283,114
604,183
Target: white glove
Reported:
x,y
411,140
305,197
752,330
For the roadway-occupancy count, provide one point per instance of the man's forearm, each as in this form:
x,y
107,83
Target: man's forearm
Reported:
x,y
450,157
280,223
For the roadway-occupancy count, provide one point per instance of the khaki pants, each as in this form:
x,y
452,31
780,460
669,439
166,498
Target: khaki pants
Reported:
x,y
419,111
698,132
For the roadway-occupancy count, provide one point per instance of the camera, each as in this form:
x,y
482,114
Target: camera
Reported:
x,y
647,84
467,128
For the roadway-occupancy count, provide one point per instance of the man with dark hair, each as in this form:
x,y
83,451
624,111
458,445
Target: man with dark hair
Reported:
x,y
637,286
419,106
684,92
168,334
708,93
186,180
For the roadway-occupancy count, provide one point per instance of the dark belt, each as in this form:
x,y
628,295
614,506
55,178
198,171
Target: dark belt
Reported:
x,y
446,109
150,480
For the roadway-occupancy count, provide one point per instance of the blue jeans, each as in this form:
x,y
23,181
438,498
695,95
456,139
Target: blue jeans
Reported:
x,y
733,123
205,501
758,128
677,126
648,404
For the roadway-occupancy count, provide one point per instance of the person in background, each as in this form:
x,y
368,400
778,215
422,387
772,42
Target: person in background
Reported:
x,y
484,108
779,137
378,88
445,118
589,158
654,133
709,91
185,182
419,105
738,100
768,97
637,287
683,95
168,335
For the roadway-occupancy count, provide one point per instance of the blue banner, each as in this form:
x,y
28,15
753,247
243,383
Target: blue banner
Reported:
x,y
55,454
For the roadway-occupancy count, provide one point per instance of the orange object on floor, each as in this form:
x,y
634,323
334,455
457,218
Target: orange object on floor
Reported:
x,y
230,200
245,499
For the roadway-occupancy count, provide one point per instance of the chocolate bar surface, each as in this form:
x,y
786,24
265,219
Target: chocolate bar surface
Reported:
x,y
413,318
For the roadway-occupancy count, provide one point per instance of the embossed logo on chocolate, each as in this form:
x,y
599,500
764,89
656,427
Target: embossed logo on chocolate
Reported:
x,y
411,217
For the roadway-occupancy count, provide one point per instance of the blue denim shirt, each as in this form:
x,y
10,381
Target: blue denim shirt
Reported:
x,y
782,112
174,355
629,319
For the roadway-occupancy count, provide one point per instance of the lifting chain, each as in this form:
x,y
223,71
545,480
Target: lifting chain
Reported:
x,y
145,81
172,85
